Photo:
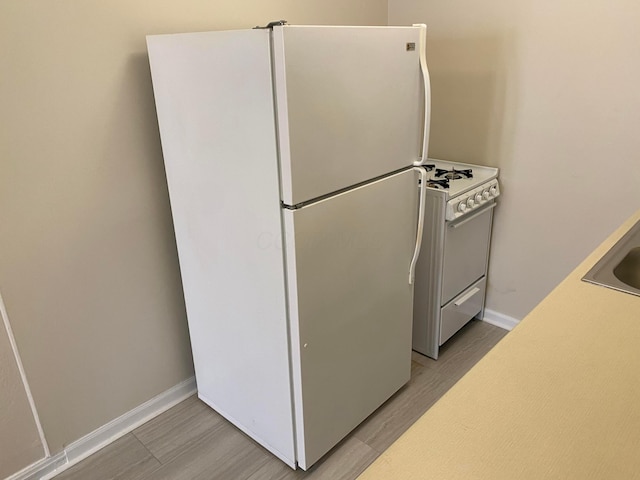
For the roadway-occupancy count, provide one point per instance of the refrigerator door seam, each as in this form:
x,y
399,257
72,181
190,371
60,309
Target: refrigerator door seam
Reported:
x,y
282,110
342,190
285,259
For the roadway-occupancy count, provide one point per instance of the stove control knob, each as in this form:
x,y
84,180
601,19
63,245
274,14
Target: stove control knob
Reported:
x,y
486,194
478,197
493,190
462,207
471,203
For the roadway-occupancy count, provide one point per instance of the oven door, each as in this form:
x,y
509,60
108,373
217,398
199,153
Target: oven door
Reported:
x,y
466,250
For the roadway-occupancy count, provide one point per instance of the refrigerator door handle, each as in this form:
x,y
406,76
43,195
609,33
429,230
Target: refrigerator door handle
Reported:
x,y
427,92
423,186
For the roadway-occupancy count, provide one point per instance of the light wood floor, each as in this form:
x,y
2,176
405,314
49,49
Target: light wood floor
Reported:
x,y
192,442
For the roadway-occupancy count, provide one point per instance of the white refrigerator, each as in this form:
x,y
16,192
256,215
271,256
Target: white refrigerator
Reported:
x,y
290,155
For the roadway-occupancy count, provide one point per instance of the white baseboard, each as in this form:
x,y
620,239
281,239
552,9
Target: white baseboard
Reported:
x,y
40,469
49,467
499,319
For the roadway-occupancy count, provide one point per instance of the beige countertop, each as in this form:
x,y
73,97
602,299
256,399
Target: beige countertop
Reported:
x,y
557,398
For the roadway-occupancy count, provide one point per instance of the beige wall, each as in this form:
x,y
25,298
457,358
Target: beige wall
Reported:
x,y
20,443
547,91
88,265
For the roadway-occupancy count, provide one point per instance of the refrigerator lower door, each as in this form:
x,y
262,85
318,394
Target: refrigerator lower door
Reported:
x,y
349,105
350,307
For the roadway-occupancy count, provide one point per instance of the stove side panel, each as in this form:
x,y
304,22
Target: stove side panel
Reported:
x,y
428,283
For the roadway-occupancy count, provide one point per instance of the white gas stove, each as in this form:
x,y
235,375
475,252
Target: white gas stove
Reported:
x,y
466,187
452,267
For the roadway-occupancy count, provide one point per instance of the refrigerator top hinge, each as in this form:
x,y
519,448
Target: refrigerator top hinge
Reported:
x,y
277,23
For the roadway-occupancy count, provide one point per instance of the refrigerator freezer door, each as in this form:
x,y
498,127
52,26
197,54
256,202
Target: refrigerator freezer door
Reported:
x,y
349,105
350,306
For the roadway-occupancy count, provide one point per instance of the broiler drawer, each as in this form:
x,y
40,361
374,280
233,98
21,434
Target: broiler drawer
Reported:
x,y
461,309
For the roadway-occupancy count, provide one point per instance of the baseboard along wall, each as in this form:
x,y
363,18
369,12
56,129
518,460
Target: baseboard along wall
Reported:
x,y
499,319
51,466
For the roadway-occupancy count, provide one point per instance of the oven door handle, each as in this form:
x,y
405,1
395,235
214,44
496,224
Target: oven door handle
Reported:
x,y
466,297
416,252
469,218
427,92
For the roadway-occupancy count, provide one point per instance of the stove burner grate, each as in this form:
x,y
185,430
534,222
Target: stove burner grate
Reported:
x,y
439,184
428,166
454,174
